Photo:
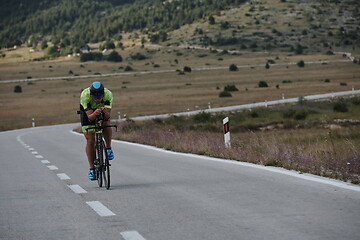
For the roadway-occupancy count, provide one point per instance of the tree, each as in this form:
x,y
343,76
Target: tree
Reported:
x,y
211,20
114,56
163,36
51,52
154,38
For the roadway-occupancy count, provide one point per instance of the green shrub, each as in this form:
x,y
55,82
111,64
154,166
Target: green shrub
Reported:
x,y
225,94
230,88
211,20
173,119
202,117
128,68
301,63
18,89
114,56
187,69
51,52
340,106
130,126
289,113
355,100
254,114
233,67
301,115
138,56
263,84
92,56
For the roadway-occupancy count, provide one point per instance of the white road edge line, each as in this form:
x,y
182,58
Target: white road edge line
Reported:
x,y
305,176
63,176
100,209
132,235
77,189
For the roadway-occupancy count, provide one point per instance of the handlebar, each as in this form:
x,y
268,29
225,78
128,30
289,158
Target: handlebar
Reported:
x,y
99,118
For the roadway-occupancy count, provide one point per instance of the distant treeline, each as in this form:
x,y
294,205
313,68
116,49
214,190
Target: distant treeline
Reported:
x,y
78,22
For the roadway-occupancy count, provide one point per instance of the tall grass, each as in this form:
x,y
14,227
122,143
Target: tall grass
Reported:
x,y
307,146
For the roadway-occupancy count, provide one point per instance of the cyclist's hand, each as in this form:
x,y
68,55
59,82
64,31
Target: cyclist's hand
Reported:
x,y
98,111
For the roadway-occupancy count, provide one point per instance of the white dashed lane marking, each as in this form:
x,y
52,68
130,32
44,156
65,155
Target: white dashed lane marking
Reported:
x,y
100,209
132,235
77,189
53,167
63,176
45,161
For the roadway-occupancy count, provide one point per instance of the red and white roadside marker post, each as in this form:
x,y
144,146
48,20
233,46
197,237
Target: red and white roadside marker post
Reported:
x,y
226,132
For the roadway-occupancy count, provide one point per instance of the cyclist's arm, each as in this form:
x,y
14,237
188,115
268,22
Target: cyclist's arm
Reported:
x,y
91,114
107,104
107,112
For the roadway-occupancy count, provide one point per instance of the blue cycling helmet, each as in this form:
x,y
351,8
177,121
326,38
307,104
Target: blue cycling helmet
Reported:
x,y
97,90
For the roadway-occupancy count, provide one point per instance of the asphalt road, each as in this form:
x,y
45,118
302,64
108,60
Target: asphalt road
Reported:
x,y
158,195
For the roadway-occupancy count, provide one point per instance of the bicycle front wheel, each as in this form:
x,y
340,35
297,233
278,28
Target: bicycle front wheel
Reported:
x,y
106,169
99,165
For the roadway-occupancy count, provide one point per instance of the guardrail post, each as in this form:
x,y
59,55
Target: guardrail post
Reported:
x,y
227,132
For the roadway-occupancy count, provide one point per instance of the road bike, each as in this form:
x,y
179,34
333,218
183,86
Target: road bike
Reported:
x,y
101,161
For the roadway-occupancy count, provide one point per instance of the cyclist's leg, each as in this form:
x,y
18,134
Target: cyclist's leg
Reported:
x,y
107,133
90,149
89,135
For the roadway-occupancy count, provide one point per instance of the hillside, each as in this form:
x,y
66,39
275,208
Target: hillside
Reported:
x,y
298,26
287,26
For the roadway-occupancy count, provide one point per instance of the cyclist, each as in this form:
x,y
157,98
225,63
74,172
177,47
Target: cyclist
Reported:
x,y
95,100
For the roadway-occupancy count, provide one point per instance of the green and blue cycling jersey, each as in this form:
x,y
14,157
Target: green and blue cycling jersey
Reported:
x,y
88,103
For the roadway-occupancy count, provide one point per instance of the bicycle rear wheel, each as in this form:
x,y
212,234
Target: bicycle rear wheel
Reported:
x,y
106,168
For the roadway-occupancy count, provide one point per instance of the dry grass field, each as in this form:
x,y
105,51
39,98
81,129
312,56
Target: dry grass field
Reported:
x,y
135,94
